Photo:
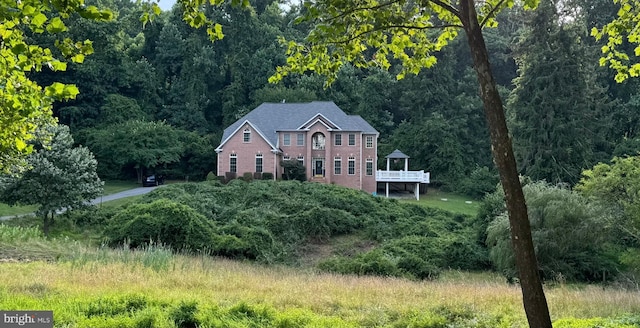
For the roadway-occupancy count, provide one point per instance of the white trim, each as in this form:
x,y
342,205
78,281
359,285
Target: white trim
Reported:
x,y
305,125
219,148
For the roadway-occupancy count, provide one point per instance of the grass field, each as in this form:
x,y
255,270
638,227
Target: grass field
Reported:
x,y
156,289
447,201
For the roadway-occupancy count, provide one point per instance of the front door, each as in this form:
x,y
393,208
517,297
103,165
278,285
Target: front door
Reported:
x,y
319,167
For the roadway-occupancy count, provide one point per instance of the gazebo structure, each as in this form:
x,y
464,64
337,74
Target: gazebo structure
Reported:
x,y
404,176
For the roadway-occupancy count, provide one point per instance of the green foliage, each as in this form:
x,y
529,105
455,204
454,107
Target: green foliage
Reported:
x,y
619,33
617,185
26,106
134,144
553,143
162,221
571,236
211,176
293,170
480,182
60,176
272,222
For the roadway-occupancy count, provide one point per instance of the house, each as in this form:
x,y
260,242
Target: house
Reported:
x,y
334,147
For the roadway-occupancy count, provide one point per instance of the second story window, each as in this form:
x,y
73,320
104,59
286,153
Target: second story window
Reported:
x,y
318,141
338,139
246,136
352,139
286,139
369,142
300,139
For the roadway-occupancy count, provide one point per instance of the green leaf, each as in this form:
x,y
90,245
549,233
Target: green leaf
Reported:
x,y
56,26
39,20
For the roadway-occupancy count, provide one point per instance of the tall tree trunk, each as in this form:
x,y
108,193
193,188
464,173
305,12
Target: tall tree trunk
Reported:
x,y
535,303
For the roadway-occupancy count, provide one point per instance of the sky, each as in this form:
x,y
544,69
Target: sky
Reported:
x,y
166,5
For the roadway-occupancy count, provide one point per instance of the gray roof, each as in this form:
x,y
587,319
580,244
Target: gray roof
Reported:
x,y
269,118
397,154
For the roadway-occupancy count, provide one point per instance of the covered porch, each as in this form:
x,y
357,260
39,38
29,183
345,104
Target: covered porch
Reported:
x,y
415,178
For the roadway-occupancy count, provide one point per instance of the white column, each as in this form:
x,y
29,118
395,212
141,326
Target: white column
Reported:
x,y
406,164
387,188
388,163
418,191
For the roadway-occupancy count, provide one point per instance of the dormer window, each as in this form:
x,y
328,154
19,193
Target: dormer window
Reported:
x,y
246,136
318,141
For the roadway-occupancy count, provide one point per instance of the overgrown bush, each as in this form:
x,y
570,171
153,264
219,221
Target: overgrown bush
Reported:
x,y
272,221
162,221
569,233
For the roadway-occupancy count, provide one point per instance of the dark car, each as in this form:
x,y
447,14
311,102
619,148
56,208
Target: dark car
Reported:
x,y
152,180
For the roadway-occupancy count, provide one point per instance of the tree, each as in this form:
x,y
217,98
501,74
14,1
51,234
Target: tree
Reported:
x,y
618,185
556,106
59,177
135,144
621,34
368,33
26,106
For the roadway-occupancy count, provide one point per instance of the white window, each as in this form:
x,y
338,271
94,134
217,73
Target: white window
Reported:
x,y
369,142
301,159
286,139
369,163
338,139
337,165
286,158
258,162
317,141
352,139
233,163
246,136
300,140
352,166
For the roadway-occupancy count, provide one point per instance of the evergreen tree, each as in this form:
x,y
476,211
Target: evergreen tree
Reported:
x,y
556,106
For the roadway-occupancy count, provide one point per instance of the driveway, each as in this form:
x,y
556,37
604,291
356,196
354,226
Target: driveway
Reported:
x,y
101,199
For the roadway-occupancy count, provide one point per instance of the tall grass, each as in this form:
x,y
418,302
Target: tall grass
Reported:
x,y
154,288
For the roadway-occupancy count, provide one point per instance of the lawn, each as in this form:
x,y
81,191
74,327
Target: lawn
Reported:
x,y
110,187
447,201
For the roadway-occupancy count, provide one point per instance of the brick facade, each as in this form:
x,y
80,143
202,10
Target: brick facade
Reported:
x,y
322,142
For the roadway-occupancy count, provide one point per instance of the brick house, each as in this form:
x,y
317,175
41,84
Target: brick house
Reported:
x,y
334,147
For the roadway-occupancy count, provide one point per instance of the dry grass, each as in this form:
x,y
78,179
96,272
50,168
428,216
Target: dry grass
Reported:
x,y
356,299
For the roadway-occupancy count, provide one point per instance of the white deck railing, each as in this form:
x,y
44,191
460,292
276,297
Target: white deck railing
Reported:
x,y
402,176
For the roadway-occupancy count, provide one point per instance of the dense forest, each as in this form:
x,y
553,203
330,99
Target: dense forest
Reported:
x,y
156,97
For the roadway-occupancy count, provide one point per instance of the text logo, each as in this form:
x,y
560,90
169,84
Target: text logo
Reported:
x,y
27,319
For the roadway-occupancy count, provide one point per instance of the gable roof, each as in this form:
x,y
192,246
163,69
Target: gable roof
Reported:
x,y
269,118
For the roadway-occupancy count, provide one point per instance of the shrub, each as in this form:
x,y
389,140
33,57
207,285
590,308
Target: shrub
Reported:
x,y
293,170
479,182
162,221
267,176
569,234
211,176
247,176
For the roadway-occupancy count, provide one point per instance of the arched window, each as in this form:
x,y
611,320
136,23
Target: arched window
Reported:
x,y
318,141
